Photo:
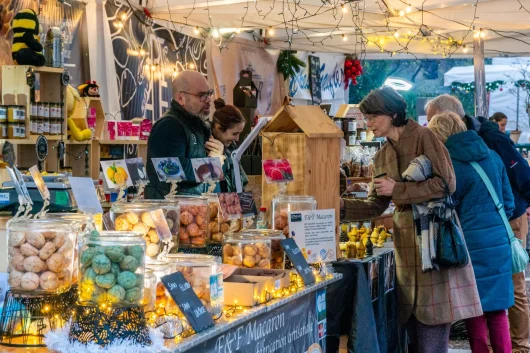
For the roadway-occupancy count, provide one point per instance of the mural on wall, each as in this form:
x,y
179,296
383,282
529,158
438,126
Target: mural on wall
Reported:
x,y
53,14
147,57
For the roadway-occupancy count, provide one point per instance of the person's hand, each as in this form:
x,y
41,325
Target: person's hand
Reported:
x,y
216,146
384,186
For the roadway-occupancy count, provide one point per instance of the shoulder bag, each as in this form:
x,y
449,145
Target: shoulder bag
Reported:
x,y
519,255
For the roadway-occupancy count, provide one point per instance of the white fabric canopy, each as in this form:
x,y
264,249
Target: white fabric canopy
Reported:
x,y
319,25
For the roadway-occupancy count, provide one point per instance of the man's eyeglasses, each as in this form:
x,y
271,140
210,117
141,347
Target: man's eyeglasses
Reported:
x,y
201,95
370,118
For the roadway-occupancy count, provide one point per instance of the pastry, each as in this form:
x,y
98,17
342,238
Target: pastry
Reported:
x,y
106,281
147,220
129,263
49,281
36,239
47,250
115,253
29,250
101,264
140,228
132,218
55,262
17,239
127,279
30,281
33,264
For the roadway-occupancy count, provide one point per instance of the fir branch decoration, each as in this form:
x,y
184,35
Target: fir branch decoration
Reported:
x,y
288,64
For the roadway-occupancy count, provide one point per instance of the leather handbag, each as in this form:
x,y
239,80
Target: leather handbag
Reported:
x,y
519,255
451,249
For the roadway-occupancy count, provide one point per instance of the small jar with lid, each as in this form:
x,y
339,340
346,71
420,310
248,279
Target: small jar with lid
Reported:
x,y
283,204
247,250
217,225
194,221
160,269
45,118
136,217
12,131
41,255
172,213
3,113
149,298
3,130
55,116
21,130
277,253
200,271
111,267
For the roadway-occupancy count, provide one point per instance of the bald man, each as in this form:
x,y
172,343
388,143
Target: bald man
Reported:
x,y
182,132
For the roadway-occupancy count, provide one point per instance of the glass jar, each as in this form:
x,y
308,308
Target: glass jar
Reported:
x,y
111,267
41,255
135,217
46,118
3,130
3,113
217,225
172,213
160,269
11,131
201,272
149,297
194,220
282,205
247,250
277,253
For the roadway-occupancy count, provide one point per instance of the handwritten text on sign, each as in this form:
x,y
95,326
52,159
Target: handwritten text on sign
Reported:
x,y
314,233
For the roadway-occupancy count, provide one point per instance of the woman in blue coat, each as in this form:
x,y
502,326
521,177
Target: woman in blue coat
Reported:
x,y
484,230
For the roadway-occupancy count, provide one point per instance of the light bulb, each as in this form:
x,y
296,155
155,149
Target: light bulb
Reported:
x,y
344,37
196,31
382,41
482,34
153,68
175,73
465,49
401,13
238,30
215,33
116,24
408,9
476,34
123,16
142,52
396,34
191,66
271,31
344,8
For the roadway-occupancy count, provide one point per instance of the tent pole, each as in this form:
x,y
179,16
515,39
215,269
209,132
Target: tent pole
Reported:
x,y
517,111
481,104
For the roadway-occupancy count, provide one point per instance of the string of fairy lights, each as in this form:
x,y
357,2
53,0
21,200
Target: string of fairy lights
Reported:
x,y
349,18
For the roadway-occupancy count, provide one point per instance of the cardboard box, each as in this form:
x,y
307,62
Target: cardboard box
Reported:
x,y
250,286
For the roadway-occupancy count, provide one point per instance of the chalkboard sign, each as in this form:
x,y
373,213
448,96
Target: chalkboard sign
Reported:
x,y
297,258
188,302
248,205
314,79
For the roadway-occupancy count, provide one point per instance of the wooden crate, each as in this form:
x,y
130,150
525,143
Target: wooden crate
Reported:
x,y
310,140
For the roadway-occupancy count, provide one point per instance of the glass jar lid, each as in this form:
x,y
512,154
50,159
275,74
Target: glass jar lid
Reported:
x,y
157,265
122,207
188,199
294,198
191,259
268,233
39,224
114,237
245,236
76,217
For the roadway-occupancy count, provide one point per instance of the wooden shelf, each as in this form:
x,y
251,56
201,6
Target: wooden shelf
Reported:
x,y
353,180
122,142
46,69
33,139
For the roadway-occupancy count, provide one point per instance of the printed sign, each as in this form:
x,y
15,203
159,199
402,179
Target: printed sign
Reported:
x,y
277,171
314,232
248,205
161,226
41,186
136,169
116,174
230,205
168,169
85,195
207,169
4,198
188,302
314,79
299,263
292,327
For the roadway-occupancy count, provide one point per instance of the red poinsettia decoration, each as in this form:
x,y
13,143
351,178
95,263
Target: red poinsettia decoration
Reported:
x,y
352,70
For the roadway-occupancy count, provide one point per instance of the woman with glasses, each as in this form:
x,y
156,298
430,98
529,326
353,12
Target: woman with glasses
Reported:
x,y
182,132
428,301
227,125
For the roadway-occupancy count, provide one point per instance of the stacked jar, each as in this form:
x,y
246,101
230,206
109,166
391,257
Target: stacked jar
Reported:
x,y
200,271
194,221
277,253
136,217
217,225
41,255
3,121
283,204
247,250
111,265
16,122
172,213
159,269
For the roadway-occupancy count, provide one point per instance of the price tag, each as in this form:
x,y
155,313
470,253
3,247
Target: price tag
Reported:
x,y
85,195
161,226
188,302
248,205
297,258
37,179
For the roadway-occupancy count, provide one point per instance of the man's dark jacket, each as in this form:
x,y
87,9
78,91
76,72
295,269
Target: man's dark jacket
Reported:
x,y
177,134
516,166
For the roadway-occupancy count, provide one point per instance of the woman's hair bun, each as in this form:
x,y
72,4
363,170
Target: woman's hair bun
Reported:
x,y
219,103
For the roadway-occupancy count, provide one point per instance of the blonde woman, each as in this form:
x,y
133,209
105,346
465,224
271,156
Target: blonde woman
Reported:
x,y
483,228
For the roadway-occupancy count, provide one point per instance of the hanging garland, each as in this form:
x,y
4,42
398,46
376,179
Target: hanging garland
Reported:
x,y
470,87
522,83
288,64
352,70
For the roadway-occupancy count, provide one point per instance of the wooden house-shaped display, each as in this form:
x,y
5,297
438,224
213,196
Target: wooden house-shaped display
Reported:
x,y
310,140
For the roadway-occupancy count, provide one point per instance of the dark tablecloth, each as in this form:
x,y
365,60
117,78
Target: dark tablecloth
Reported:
x,y
365,310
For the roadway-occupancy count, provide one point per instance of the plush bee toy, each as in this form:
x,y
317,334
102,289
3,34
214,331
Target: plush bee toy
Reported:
x,y
89,89
26,48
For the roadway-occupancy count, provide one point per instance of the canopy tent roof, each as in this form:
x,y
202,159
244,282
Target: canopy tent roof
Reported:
x,y
466,74
423,27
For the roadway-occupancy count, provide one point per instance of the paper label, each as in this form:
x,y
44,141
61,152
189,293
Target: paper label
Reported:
x,y
4,198
85,195
207,169
161,225
168,168
37,179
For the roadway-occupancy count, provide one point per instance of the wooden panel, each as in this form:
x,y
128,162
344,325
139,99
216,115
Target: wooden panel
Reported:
x,y
292,147
100,117
50,87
